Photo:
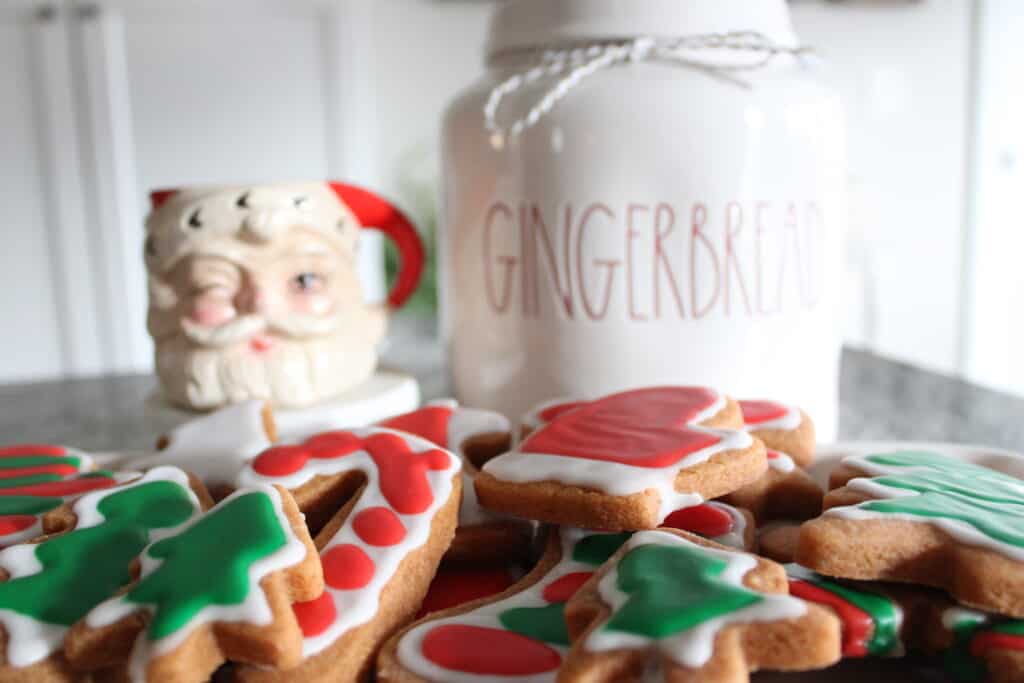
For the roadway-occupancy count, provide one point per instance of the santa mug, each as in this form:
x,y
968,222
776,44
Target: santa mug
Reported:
x,y
254,292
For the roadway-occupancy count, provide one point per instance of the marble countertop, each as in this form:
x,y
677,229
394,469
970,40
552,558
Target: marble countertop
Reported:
x,y
879,399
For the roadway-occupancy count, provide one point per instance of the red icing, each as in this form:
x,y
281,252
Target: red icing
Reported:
x,y
758,412
10,524
430,422
993,640
457,587
706,520
315,615
482,650
551,412
68,487
857,624
31,449
565,587
63,470
773,455
643,428
347,567
402,473
378,526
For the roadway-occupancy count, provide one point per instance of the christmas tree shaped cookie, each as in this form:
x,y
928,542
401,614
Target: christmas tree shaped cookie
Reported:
x,y
396,498
476,436
785,491
923,517
52,582
220,588
37,478
671,600
625,461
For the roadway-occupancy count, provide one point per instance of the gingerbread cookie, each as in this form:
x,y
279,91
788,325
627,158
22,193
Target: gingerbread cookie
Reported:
x,y
778,540
886,620
216,446
785,491
37,478
625,461
219,588
379,551
476,436
927,518
690,607
50,583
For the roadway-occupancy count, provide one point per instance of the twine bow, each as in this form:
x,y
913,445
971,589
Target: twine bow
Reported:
x,y
572,65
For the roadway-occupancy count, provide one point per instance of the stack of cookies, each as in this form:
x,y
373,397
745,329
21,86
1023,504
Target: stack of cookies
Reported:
x,y
608,539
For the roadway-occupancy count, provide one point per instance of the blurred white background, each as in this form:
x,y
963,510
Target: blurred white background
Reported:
x,y
102,101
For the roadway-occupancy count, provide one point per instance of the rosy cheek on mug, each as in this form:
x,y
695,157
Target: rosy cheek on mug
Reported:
x,y
211,311
312,304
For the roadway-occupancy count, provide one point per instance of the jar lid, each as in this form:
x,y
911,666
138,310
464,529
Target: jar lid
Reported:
x,y
522,24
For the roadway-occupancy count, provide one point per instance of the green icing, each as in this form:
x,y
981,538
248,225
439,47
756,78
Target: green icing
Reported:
x,y
208,563
596,549
27,505
29,480
989,501
673,589
884,613
957,660
85,566
546,624
37,461
1013,627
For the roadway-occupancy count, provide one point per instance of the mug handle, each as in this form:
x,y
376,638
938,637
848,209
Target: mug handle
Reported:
x,y
376,213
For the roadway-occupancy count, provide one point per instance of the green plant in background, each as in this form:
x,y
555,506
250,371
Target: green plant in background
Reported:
x,y
418,192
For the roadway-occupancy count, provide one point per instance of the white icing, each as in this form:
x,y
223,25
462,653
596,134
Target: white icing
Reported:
x,y
788,422
958,616
358,606
253,610
618,479
26,534
533,420
962,532
781,462
214,446
736,537
691,648
30,641
410,647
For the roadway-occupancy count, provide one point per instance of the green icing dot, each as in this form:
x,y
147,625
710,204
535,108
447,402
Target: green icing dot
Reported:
x,y
27,505
208,563
596,549
37,461
85,566
673,589
989,501
546,623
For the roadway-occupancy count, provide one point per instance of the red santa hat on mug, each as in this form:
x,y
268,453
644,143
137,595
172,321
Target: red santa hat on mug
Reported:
x,y
211,219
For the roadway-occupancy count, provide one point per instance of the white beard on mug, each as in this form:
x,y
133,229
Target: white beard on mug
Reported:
x,y
312,359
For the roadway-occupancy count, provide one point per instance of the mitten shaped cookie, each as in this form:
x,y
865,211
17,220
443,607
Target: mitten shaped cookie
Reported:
x,y
625,461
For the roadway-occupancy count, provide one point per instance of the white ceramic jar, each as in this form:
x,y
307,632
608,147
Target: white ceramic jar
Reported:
x,y
664,216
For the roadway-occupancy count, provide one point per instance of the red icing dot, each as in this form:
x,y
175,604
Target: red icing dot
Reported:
x,y
378,526
565,587
482,650
456,587
430,422
609,429
347,567
315,615
551,412
757,412
773,455
858,626
10,524
706,520
31,449
68,487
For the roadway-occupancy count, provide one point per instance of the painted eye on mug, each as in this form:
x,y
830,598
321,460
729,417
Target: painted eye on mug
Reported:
x,y
307,282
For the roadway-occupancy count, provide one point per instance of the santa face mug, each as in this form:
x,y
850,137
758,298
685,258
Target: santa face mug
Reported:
x,y
643,192
253,291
